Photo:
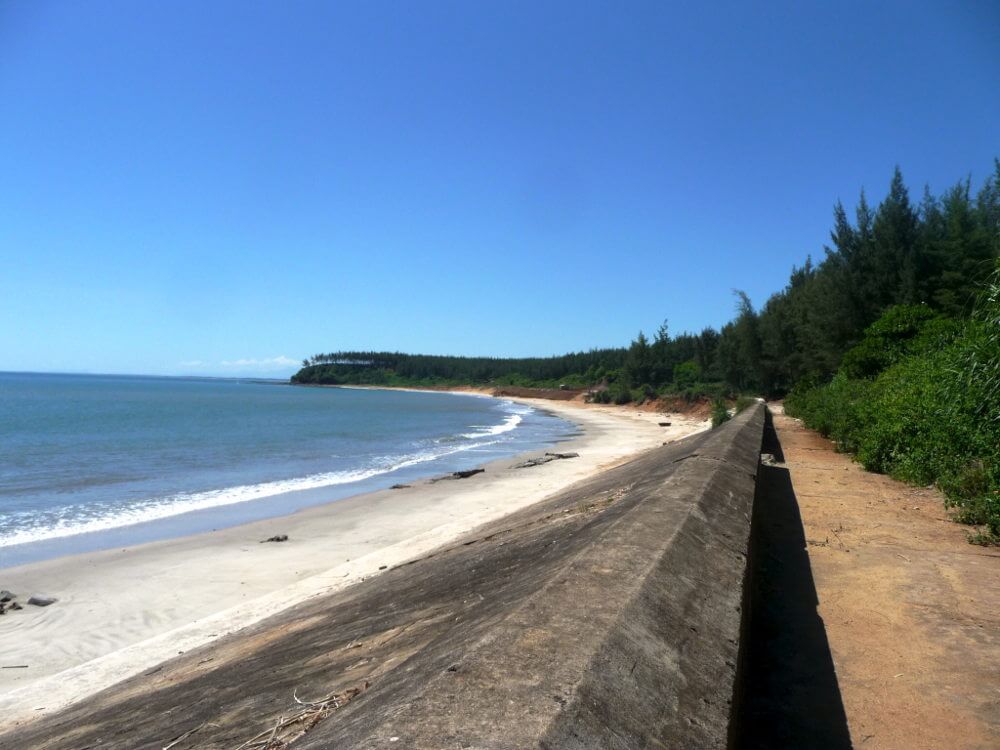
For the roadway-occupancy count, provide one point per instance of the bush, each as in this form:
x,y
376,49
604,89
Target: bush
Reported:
x,y
622,396
932,416
696,392
886,341
686,374
720,413
643,393
744,402
600,397
616,393
834,410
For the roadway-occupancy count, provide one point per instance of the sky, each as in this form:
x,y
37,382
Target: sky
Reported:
x,y
224,188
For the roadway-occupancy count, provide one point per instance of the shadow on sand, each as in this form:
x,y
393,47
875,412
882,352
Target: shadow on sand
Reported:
x,y
790,697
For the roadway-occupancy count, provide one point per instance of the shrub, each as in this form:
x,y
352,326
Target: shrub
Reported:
x,y
931,416
643,393
834,410
720,412
622,396
696,392
617,393
886,341
686,374
600,397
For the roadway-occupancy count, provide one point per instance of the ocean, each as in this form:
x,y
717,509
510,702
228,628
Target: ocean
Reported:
x,y
91,462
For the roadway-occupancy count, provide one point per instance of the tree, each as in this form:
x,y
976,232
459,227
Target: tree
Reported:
x,y
638,362
661,364
898,263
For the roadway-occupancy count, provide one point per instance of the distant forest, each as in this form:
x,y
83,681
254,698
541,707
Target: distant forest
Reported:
x,y
936,253
890,346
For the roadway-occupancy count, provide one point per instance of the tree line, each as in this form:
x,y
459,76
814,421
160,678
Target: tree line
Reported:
x,y
340,368
936,253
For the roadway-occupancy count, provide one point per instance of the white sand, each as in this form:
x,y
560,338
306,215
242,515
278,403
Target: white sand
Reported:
x,y
121,612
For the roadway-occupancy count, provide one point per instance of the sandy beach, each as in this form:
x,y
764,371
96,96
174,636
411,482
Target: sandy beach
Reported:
x,y
122,612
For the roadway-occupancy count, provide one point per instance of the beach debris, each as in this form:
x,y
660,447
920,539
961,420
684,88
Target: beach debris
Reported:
x,y
664,424
399,487
466,474
307,715
545,459
8,601
460,475
275,538
187,734
15,666
40,600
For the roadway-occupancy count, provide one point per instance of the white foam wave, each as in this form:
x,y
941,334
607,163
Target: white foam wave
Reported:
x,y
515,415
510,423
102,518
158,508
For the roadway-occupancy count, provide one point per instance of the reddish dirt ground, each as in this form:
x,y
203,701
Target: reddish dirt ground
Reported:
x,y
911,610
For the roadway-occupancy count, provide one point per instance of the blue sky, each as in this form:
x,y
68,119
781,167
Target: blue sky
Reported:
x,y
224,188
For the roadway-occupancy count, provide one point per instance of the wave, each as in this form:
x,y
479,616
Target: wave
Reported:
x,y
510,423
516,413
68,521
64,522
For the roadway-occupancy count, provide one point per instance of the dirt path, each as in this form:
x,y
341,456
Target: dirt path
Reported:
x,y
910,610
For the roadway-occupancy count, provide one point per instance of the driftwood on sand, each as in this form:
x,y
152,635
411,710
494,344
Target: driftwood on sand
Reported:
x,y
545,459
460,475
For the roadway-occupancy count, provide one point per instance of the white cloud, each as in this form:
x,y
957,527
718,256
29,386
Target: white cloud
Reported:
x,y
280,362
244,365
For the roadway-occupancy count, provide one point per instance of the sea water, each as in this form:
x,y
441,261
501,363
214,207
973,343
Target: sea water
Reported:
x,y
93,462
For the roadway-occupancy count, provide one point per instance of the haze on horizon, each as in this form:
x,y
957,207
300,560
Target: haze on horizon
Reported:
x,y
224,189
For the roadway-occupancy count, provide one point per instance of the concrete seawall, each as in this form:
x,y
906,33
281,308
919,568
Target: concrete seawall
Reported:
x,y
665,674
607,616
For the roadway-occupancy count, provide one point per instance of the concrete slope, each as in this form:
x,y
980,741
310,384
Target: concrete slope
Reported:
x,y
607,616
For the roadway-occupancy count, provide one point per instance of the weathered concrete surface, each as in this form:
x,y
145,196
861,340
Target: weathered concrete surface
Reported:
x,y
607,616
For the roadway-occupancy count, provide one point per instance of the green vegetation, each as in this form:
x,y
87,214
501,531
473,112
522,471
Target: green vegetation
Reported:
x,y
393,368
917,395
937,255
682,364
720,413
882,346
919,399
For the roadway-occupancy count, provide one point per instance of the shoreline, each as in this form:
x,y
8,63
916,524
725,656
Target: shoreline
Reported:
x,y
235,500
125,611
